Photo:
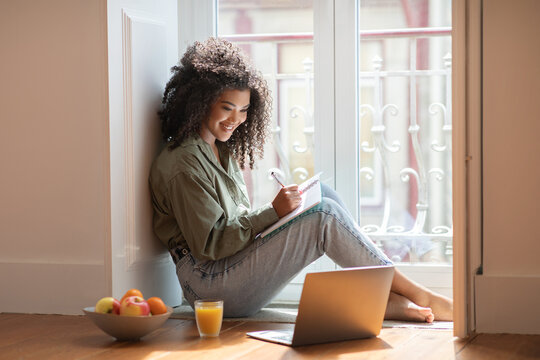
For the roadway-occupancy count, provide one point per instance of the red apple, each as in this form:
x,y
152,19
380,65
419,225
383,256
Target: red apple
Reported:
x,y
134,306
108,305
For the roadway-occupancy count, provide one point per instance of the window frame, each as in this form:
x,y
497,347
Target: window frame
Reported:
x,y
333,41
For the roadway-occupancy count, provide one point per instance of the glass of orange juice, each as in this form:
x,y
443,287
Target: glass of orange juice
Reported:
x,y
209,315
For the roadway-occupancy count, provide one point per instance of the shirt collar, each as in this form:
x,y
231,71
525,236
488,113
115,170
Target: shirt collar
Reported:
x,y
196,140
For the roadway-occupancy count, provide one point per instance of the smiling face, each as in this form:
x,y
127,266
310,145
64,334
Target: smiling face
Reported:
x,y
226,114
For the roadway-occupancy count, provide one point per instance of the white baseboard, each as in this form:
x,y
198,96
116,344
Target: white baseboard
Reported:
x,y
43,288
507,304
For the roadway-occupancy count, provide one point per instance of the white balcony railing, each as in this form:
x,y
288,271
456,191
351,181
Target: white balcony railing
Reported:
x,y
431,152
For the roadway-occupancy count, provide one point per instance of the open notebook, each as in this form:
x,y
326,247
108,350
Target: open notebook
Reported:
x,y
311,196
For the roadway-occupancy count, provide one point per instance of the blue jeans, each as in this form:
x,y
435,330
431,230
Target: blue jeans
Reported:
x,y
249,279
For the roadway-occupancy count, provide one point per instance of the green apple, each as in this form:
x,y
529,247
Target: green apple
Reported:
x,y
108,305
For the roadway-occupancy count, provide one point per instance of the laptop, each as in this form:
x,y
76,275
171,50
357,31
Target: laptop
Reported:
x,y
337,305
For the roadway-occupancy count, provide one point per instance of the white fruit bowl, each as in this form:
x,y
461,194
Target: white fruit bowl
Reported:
x,y
127,328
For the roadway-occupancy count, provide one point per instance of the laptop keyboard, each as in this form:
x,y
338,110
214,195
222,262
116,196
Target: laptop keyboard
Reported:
x,y
279,336
285,335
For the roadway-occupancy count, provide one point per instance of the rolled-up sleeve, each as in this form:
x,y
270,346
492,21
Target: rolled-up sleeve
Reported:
x,y
210,231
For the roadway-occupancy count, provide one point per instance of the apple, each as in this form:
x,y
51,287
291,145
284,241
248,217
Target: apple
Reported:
x,y
134,306
108,305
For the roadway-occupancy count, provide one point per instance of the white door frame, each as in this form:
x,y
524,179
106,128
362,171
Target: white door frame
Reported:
x,y
466,158
340,67
334,61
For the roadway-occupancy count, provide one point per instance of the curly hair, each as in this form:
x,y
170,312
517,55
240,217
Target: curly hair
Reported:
x,y
206,70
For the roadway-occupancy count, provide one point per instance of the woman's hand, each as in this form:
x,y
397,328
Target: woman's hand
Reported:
x,y
287,200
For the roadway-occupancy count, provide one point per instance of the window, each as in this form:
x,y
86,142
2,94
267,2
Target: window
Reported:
x,y
399,122
283,51
405,128
389,143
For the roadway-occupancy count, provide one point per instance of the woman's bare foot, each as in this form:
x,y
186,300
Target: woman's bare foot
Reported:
x,y
441,306
401,308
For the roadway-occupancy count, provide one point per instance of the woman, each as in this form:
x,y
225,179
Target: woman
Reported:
x,y
215,119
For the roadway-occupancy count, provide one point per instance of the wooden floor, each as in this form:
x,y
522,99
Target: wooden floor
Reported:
x,y
26,336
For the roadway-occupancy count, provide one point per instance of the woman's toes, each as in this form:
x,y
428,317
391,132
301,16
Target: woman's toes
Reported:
x,y
401,308
418,313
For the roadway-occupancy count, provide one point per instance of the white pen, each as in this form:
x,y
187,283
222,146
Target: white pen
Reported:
x,y
275,177
279,182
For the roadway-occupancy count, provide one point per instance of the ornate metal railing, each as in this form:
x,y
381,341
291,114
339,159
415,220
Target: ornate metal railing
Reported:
x,y
418,150
417,238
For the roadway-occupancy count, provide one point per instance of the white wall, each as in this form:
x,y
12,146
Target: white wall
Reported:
x,y
54,155
508,291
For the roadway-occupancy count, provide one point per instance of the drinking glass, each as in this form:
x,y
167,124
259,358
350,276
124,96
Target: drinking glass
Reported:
x,y
209,316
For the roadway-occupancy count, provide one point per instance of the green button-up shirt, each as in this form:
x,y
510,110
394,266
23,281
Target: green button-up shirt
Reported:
x,y
202,204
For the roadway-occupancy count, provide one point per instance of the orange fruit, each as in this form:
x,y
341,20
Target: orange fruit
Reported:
x,y
131,292
157,306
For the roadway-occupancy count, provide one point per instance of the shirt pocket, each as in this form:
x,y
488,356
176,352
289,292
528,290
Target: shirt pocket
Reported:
x,y
241,188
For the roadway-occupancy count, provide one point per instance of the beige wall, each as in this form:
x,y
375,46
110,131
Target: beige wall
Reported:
x,y
54,198
508,292
54,213
511,137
